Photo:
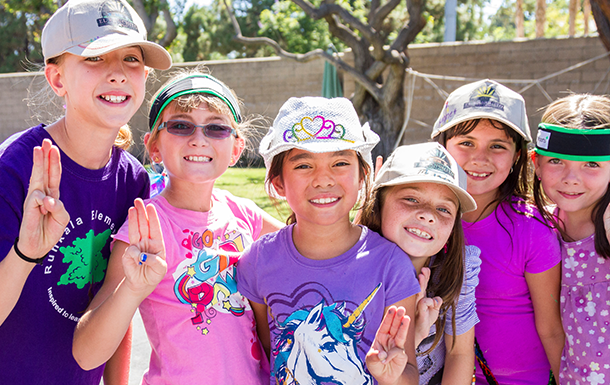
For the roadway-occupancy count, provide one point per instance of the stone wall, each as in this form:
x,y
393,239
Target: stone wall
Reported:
x,y
264,84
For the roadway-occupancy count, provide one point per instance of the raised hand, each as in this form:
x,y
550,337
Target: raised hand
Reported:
x,y
144,260
426,309
44,215
386,360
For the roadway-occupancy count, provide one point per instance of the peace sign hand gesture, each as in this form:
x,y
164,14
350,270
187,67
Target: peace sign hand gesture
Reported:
x,y
44,215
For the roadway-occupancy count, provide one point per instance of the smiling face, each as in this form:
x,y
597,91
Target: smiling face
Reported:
x,y
419,217
486,154
102,91
195,158
320,188
574,186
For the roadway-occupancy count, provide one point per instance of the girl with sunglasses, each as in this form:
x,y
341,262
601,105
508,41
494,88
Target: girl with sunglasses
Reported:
x,y
175,258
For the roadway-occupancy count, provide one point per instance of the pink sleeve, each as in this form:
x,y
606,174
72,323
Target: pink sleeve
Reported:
x,y
121,235
544,250
247,211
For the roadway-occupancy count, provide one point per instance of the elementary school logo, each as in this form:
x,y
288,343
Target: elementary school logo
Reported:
x,y
485,96
436,163
114,13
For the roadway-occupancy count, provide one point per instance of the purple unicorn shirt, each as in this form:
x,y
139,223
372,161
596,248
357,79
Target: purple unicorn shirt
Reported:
x,y
324,313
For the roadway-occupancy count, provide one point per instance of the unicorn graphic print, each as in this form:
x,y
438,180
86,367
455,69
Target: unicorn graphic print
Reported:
x,y
319,346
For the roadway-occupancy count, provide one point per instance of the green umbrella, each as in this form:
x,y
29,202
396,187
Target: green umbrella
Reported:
x,y
331,85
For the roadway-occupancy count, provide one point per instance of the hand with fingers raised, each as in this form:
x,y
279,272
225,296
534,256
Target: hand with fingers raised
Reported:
x,y
386,360
44,215
144,260
426,309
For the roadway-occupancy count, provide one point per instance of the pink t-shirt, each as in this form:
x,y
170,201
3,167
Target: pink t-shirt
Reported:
x,y
201,329
511,244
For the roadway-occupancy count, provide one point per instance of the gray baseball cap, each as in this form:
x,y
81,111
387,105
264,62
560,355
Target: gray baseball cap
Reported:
x,y
425,163
318,125
484,99
95,27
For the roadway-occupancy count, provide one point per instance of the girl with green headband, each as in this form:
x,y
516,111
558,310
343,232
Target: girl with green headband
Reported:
x,y
175,258
572,159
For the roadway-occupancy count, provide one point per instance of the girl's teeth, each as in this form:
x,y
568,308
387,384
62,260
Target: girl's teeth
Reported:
x,y
477,174
198,158
419,233
114,98
324,201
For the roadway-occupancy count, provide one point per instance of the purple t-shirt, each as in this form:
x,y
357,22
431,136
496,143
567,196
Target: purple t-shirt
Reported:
x,y
323,314
511,244
36,338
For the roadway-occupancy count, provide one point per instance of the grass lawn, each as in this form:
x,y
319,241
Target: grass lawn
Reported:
x,y
250,183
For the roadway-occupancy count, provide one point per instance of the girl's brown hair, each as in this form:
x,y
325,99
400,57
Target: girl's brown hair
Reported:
x,y
578,111
447,267
275,171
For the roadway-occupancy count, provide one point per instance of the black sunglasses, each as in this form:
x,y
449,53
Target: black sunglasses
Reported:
x,y
185,128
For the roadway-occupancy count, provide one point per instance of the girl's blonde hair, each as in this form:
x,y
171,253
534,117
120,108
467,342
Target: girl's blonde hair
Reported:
x,y
586,112
187,103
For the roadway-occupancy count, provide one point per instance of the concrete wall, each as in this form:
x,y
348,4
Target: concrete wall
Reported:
x,y
264,84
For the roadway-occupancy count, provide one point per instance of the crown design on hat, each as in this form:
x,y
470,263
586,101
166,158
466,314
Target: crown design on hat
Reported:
x,y
318,128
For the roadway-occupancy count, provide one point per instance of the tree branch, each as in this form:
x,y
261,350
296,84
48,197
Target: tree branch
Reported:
x,y
370,86
327,9
170,30
377,19
416,23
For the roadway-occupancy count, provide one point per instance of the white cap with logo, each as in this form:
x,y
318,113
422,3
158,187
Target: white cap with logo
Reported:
x,y
95,27
484,99
425,163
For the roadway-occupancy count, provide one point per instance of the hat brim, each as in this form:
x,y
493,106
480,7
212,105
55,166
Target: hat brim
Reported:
x,y
155,56
467,202
480,115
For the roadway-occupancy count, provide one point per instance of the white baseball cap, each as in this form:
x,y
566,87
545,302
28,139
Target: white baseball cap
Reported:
x,y
318,125
425,163
484,99
95,27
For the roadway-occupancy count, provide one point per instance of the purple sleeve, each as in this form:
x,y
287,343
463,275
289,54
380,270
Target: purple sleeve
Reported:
x,y
400,277
246,273
466,310
543,249
15,169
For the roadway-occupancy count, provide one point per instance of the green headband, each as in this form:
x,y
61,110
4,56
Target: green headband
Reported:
x,y
583,145
194,84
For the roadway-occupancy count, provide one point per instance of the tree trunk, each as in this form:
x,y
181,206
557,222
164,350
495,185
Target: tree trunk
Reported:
x,y
572,9
586,10
599,9
540,17
520,30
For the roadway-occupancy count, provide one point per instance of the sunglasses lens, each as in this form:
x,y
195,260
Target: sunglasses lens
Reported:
x,y
181,128
217,131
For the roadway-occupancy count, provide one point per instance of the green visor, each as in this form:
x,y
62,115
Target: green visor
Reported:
x,y
583,145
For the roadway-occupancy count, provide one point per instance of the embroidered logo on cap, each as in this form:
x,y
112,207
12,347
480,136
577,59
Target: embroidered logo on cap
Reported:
x,y
447,114
114,13
485,96
318,128
437,164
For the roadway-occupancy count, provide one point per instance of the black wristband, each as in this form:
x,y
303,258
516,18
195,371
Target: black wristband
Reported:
x,y
38,261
